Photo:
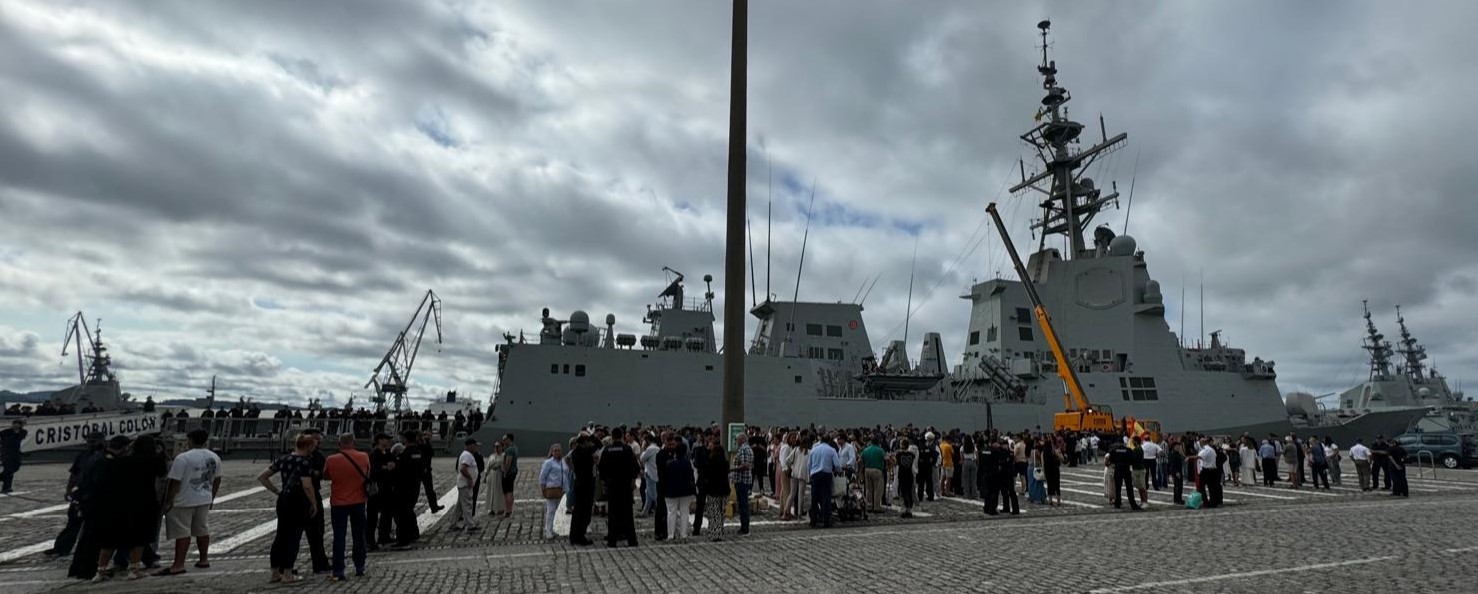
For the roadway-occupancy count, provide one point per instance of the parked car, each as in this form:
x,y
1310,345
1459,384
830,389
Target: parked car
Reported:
x,y
1450,449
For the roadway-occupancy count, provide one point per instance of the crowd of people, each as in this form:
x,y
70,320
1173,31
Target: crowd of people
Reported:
x,y
124,491
241,420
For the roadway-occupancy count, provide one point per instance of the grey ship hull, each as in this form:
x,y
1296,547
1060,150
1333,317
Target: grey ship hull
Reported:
x,y
540,403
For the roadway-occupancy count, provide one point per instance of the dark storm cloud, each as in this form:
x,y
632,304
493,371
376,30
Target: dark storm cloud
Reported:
x,y
335,159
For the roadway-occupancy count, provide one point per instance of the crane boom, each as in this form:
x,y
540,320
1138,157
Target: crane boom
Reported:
x,y
392,374
1074,398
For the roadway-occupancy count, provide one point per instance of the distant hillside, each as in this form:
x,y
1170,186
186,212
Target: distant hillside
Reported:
x,y
26,397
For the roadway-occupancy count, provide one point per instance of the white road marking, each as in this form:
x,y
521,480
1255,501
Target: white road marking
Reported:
x,y
28,550
267,527
1240,574
427,519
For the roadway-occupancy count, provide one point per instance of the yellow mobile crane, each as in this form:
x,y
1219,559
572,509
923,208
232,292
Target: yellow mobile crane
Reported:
x,y
1079,413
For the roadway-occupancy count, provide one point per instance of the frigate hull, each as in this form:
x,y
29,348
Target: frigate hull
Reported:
x,y
549,391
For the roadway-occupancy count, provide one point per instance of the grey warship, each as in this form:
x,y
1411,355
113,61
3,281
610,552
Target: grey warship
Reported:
x,y
814,363
1406,383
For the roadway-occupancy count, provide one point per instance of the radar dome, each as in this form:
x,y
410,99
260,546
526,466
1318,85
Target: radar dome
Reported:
x,y
610,319
580,322
1122,245
1152,292
1424,393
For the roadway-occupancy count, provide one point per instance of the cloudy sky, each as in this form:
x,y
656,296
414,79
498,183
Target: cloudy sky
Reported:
x,y
262,191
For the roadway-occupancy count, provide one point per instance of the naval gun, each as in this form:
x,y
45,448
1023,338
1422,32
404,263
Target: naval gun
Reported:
x,y
1079,413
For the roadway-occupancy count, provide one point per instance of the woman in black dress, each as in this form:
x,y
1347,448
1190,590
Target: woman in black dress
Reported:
x,y
130,509
1052,455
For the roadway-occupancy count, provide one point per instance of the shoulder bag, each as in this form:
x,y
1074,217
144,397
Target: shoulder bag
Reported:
x,y
371,488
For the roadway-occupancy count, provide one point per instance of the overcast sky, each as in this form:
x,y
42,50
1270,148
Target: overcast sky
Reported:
x,y
262,191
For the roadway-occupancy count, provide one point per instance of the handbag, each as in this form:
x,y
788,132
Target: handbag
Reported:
x,y
1038,474
371,488
554,492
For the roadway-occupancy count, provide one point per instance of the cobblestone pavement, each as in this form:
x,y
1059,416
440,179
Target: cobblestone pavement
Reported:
x,y
1265,539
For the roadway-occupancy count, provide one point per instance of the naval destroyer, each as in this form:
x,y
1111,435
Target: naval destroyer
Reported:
x,y
1407,383
814,363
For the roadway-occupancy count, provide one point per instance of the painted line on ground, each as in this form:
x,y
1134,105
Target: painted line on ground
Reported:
x,y
229,544
427,519
1240,574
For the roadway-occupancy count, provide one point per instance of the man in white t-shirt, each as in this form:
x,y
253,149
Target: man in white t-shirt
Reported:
x,y
194,480
1151,455
467,476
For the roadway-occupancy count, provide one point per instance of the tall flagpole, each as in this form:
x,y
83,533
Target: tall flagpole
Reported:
x,y
733,403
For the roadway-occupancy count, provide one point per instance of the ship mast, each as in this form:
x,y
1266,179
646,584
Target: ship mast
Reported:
x,y
1071,200
1411,351
1375,343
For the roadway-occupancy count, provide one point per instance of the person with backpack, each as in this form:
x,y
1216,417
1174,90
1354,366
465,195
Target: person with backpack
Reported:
x,y
351,487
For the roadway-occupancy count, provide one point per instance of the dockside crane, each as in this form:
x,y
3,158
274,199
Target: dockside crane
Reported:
x,y
1079,413
390,376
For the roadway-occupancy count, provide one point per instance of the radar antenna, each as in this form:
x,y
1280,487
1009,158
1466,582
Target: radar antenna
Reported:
x,y
394,371
1376,345
1412,352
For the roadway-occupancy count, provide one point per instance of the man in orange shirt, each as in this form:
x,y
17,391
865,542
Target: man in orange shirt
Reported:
x,y
348,471
947,461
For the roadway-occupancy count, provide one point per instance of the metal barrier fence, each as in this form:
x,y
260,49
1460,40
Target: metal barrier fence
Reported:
x,y
1421,468
271,436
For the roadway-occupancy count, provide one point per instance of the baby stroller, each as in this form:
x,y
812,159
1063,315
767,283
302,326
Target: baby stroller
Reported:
x,y
850,499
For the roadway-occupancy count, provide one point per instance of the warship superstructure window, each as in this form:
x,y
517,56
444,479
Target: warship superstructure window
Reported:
x,y
1024,332
554,368
1023,315
567,368
797,379
990,334
975,337
813,329
579,371
1138,388
834,331
815,352
835,354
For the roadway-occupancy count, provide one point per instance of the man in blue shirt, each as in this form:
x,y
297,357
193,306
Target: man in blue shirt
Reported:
x,y
824,465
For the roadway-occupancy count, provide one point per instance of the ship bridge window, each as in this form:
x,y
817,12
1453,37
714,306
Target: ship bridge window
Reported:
x,y
579,371
1024,333
1138,388
975,337
1023,315
813,329
815,352
834,331
835,354
567,369
554,368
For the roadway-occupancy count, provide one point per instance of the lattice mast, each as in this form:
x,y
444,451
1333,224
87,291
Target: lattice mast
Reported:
x,y
1412,352
1375,344
1072,200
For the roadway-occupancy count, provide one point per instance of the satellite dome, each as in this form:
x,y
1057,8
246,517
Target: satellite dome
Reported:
x,y
580,322
1122,245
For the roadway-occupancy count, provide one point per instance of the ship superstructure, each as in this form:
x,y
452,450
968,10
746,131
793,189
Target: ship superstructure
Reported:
x,y
814,363
1407,381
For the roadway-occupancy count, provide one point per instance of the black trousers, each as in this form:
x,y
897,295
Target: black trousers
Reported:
x,y
1321,472
313,528
584,504
989,494
1210,487
1010,503
430,491
1179,482
68,536
925,483
620,523
906,488
1124,482
661,518
7,473
1269,472
698,504
380,515
406,529
291,517
1397,476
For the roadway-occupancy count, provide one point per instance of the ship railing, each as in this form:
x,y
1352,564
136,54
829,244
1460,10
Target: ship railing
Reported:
x,y
270,436
691,303
1424,461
